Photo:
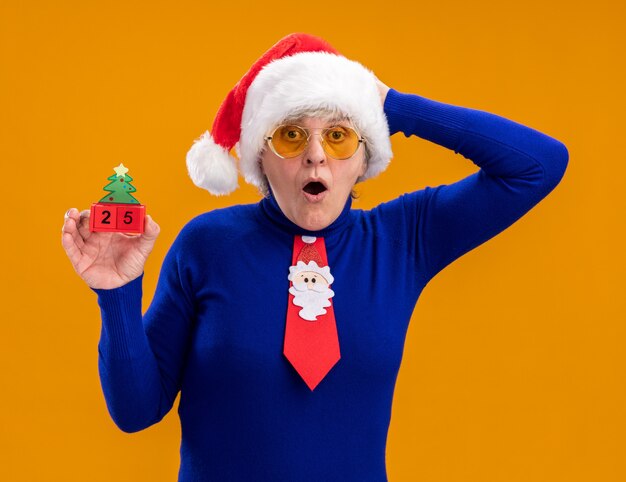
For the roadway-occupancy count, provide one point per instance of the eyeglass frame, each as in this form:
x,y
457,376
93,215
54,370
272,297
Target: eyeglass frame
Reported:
x,y
361,140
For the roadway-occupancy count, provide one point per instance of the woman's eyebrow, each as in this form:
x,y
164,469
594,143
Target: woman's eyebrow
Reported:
x,y
329,121
334,120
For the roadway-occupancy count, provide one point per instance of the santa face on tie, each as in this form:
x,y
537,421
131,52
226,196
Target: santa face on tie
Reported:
x,y
311,289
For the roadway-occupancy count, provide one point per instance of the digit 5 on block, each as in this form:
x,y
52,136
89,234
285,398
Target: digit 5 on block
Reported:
x,y
118,211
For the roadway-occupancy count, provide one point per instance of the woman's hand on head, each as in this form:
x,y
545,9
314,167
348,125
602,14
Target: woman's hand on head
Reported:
x,y
382,91
106,260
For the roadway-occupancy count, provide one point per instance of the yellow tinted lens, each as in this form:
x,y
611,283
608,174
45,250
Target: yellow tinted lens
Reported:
x,y
340,142
289,141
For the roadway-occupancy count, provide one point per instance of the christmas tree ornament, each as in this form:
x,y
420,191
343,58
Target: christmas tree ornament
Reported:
x,y
118,211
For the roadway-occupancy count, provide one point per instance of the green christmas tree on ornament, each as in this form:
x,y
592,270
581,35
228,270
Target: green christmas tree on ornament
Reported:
x,y
120,187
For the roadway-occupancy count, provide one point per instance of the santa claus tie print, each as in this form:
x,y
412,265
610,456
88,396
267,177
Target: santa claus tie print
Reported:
x,y
310,282
311,341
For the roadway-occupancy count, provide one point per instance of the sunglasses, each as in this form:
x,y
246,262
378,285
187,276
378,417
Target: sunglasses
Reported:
x,y
339,142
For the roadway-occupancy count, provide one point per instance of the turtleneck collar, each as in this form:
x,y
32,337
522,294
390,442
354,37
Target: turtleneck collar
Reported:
x,y
272,213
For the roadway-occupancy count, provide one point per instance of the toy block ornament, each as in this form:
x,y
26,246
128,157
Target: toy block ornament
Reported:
x,y
118,211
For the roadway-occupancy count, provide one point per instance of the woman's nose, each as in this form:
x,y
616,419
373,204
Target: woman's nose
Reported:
x,y
314,153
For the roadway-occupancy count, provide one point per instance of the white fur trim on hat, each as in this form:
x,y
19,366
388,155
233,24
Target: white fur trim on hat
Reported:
x,y
211,167
312,80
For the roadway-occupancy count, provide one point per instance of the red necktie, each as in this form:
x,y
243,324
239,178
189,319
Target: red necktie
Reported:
x,y
311,342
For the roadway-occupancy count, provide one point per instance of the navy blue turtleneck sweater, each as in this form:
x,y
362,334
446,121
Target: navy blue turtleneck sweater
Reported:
x,y
215,328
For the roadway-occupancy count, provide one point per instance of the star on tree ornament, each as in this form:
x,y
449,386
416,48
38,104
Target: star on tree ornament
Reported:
x,y
120,170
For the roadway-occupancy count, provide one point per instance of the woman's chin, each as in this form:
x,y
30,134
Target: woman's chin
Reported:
x,y
316,220
313,225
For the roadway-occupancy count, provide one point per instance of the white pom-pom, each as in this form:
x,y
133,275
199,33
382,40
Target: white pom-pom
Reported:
x,y
211,167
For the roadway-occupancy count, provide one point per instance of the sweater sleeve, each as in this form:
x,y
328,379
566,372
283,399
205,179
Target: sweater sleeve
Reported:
x,y
140,358
518,165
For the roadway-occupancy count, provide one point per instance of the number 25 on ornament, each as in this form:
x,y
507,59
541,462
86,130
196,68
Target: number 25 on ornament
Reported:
x,y
118,211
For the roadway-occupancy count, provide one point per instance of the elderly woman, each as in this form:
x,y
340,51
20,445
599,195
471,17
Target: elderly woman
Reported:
x,y
282,323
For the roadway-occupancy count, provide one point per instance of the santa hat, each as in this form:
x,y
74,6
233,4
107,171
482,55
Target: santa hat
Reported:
x,y
300,72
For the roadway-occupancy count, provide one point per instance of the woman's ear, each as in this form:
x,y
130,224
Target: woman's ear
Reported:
x,y
364,165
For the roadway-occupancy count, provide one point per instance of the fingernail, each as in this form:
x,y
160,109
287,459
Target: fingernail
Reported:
x,y
67,214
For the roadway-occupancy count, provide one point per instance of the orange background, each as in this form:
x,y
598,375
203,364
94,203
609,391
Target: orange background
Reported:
x,y
514,365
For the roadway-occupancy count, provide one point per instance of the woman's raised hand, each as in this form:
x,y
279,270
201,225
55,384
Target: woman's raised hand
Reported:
x,y
383,89
106,260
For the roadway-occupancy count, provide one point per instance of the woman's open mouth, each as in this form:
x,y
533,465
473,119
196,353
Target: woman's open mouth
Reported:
x,y
314,191
314,187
